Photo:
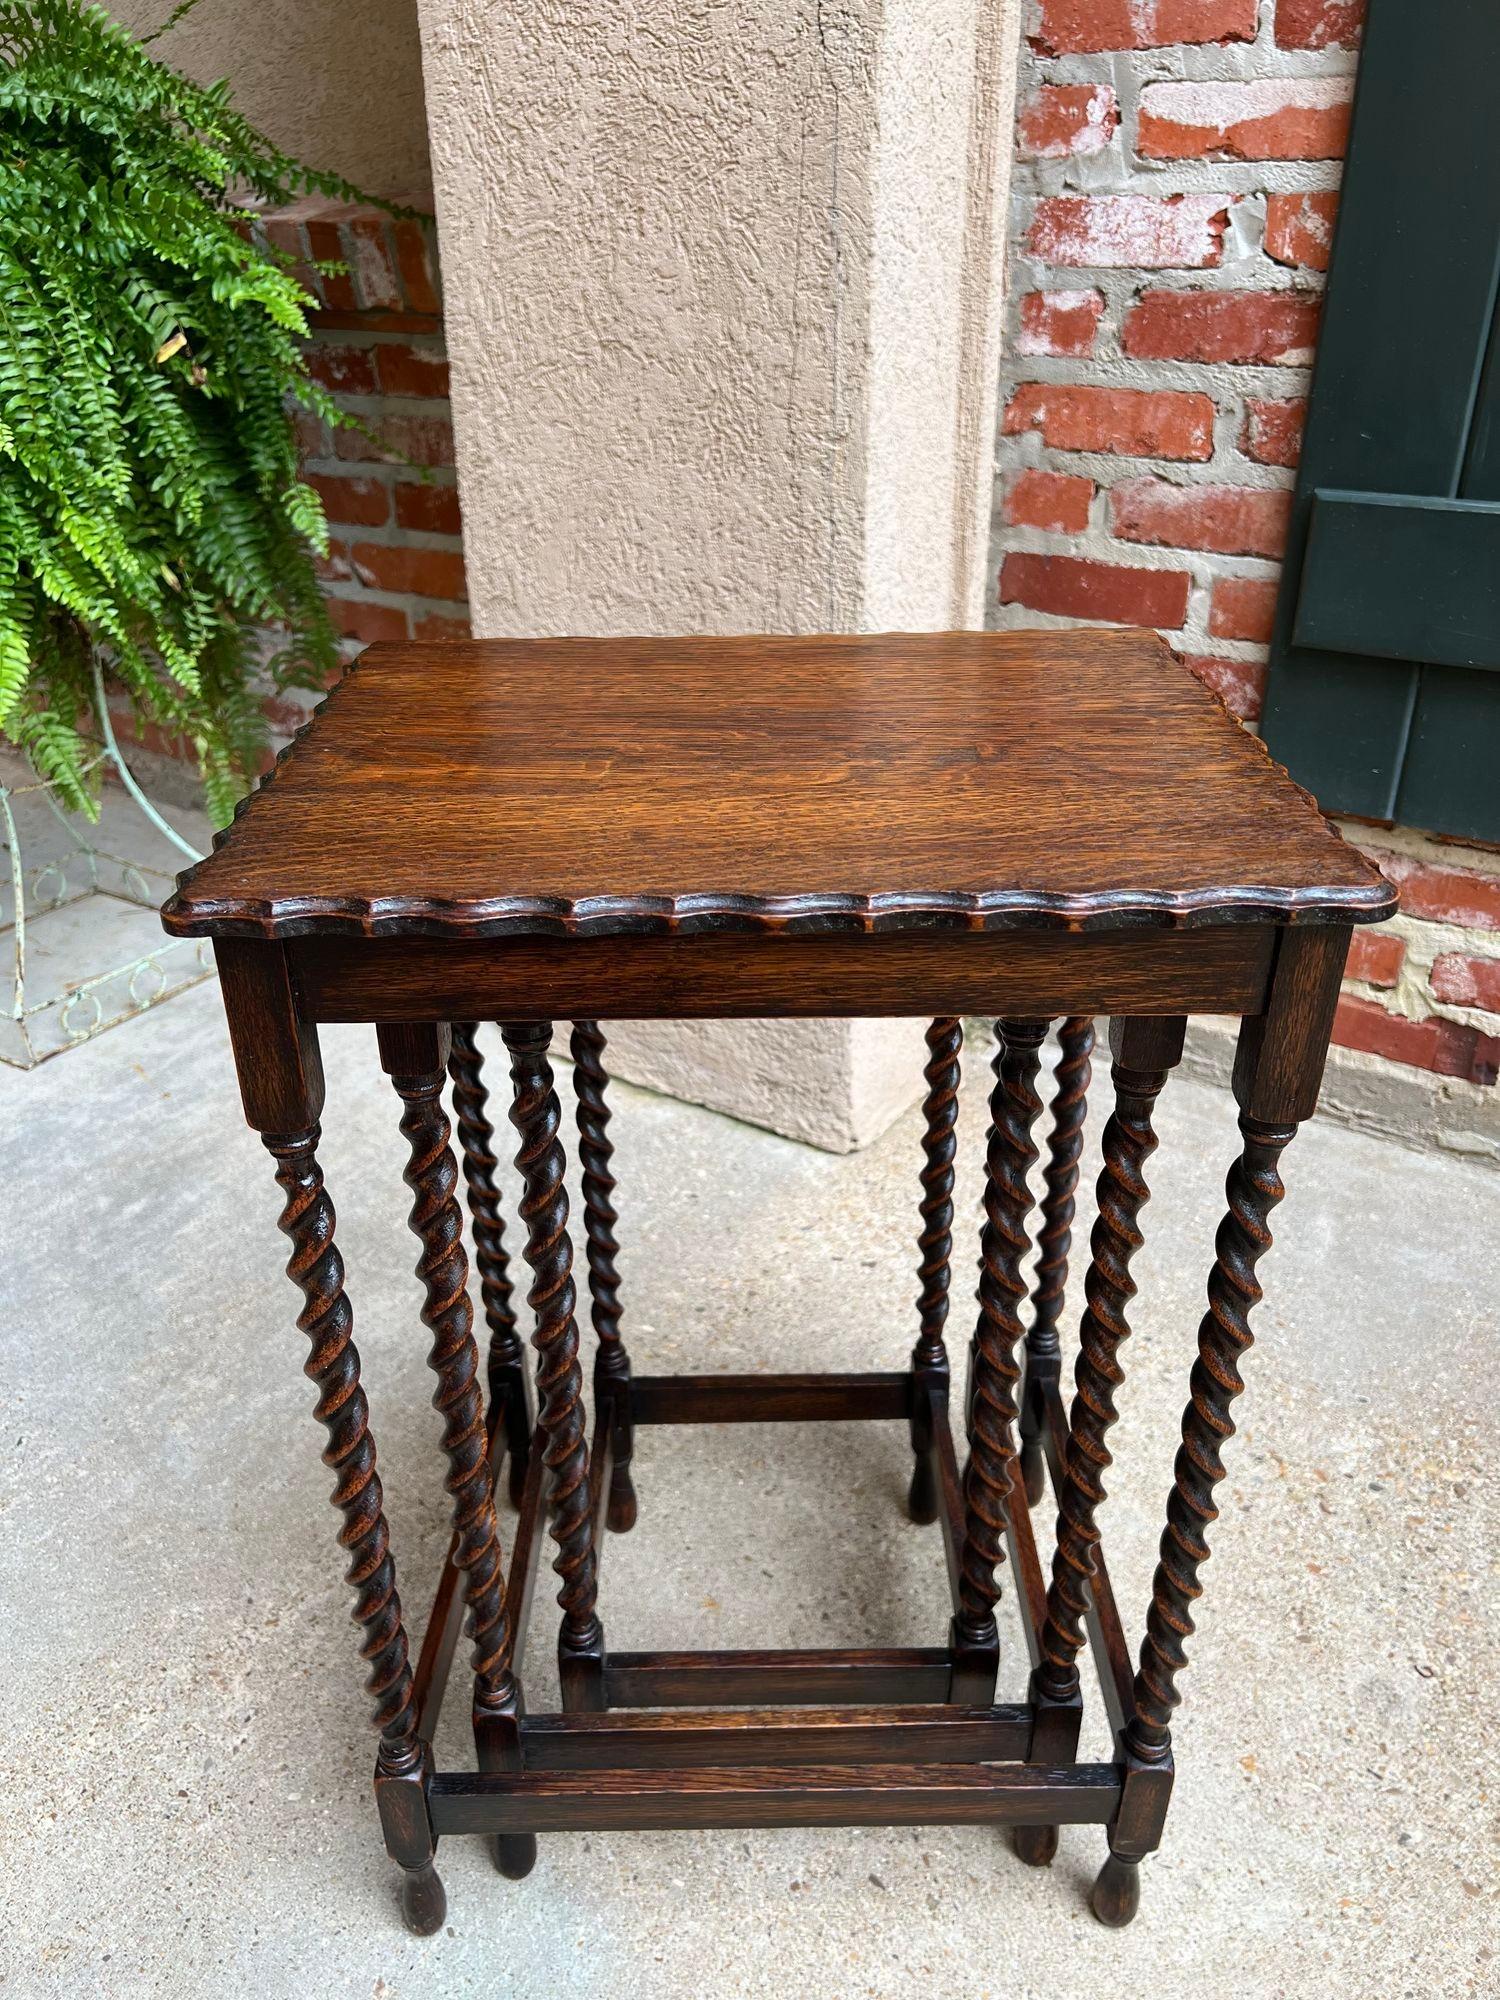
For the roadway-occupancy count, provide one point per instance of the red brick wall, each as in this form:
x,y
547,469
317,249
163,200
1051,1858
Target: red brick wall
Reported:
x,y
1176,184
395,566
1177,179
395,569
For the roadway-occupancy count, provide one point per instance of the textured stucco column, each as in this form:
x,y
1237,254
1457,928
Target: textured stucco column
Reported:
x,y
722,287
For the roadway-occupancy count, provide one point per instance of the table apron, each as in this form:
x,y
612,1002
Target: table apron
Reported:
x,y
1219,969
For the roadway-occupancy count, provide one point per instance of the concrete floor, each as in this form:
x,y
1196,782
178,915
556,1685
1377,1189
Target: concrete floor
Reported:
x,y
184,1761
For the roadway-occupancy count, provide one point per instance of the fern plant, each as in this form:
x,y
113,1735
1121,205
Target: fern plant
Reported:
x,y
152,520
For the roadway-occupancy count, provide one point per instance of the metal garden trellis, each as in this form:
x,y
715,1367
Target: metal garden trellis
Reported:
x,y
78,862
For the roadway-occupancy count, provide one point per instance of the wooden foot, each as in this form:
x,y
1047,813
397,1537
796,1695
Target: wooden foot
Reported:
x,y
1035,1845
1033,1471
620,1517
922,1498
1117,1893
424,1904
515,1855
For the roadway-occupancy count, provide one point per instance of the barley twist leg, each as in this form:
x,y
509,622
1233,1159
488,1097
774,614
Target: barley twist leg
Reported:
x,y
1254,1188
505,1366
929,1360
327,1319
1014,1106
1054,1240
549,1252
611,1362
437,1221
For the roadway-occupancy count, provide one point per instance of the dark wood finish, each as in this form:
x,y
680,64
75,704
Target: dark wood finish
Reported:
x,y
636,795
705,1738
276,1055
950,1506
1020,1543
611,1362
1278,1064
437,1222
1116,1894
317,1270
601,1467
929,1359
1032,826
1014,1106
1054,1238
1129,1141
505,1362
1278,1067
884,1675
549,1252
1227,971
1106,1633
445,1621
769,1399
1144,1052
520,1580
476,1137
767,1795
403,1764
417,1060
1253,1190
403,1781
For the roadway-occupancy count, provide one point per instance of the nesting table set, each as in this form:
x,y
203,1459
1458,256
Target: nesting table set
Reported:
x,y
1032,827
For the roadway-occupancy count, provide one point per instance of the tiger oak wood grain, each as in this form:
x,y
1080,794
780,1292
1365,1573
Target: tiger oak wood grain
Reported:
x,y
703,1738
1224,969
1028,826
1076,780
772,1795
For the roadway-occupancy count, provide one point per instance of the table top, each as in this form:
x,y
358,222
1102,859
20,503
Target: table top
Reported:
x,y
1079,780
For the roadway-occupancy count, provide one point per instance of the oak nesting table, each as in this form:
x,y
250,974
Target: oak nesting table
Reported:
x,y
1030,826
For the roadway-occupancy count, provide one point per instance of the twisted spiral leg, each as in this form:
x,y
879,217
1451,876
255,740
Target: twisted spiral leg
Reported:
x,y
505,1367
549,1252
1055,1239
437,1221
1129,1141
1253,1190
939,1146
1014,1106
611,1362
317,1270
327,1319
929,1358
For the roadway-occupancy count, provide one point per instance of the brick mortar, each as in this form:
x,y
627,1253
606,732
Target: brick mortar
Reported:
x,y
410,322
1245,267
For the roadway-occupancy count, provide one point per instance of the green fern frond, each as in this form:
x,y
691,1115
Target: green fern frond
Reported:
x,y
151,511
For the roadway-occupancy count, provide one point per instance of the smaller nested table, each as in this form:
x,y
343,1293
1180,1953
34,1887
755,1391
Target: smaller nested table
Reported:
x,y
1031,826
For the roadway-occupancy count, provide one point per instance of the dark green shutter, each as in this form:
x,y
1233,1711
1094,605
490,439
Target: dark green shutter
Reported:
x,y
1384,689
